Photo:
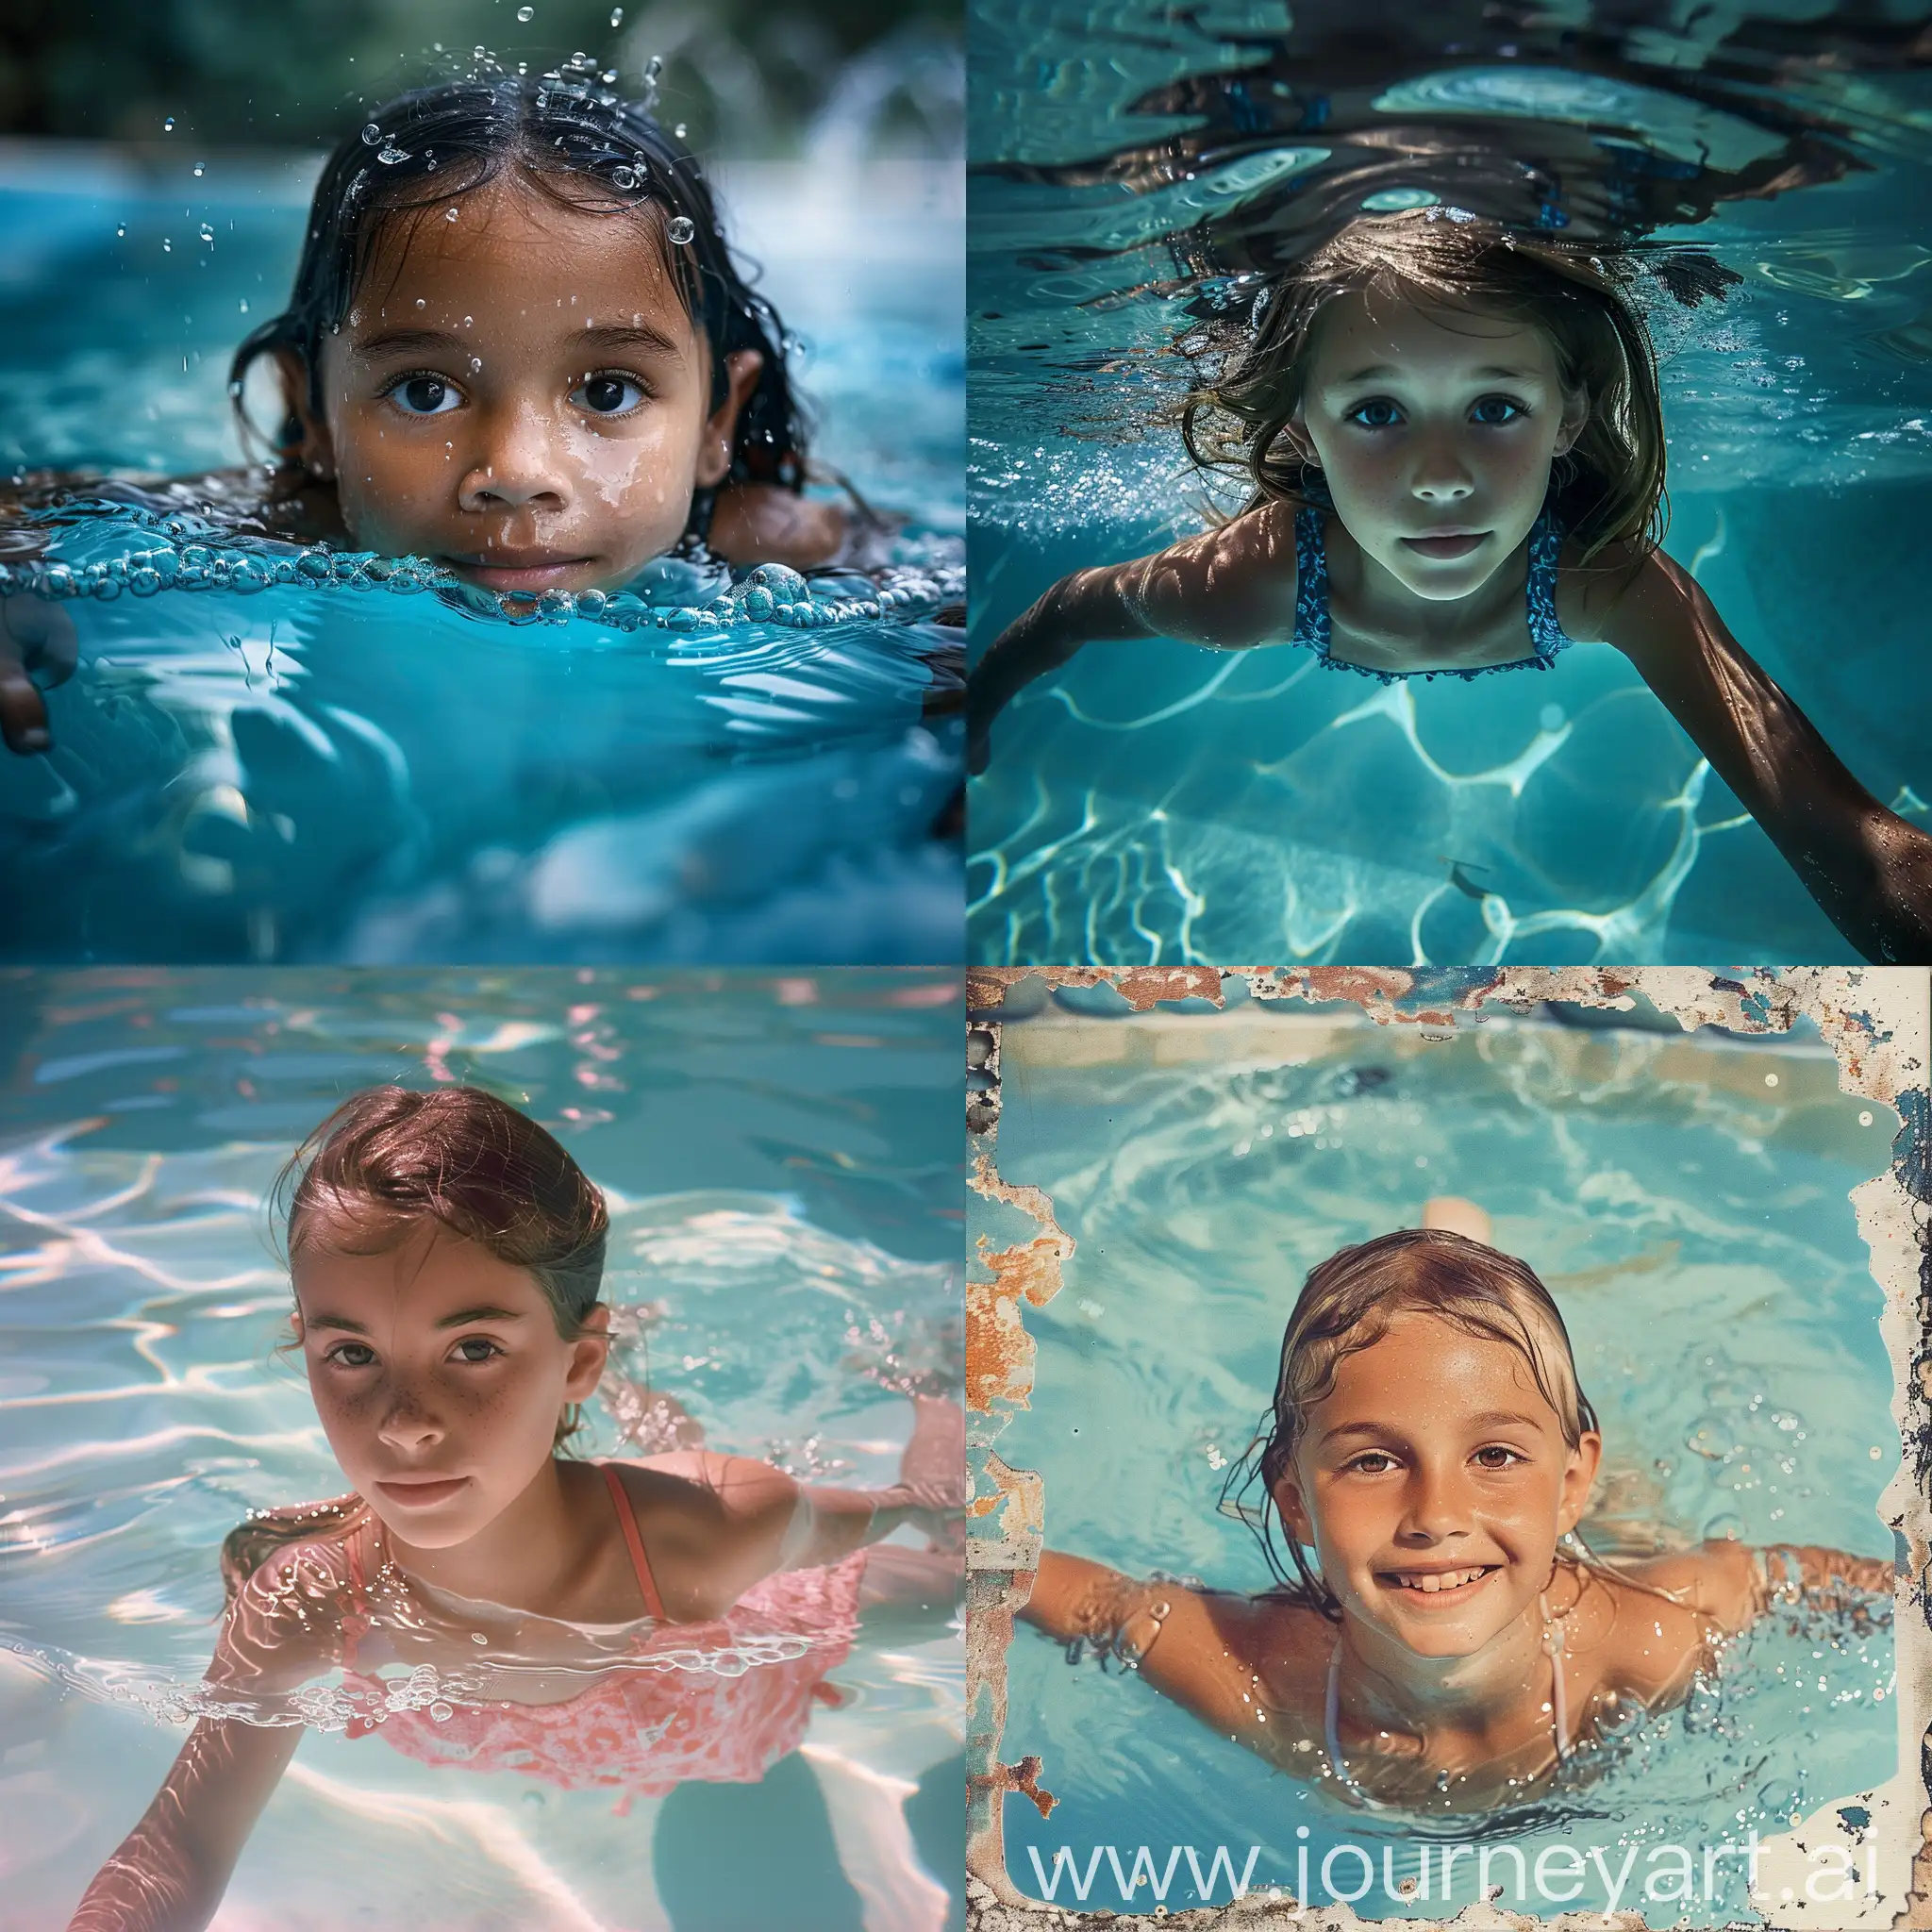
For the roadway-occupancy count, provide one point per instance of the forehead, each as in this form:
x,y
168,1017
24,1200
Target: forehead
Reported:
x,y
1422,1366
353,1267
514,252
1404,329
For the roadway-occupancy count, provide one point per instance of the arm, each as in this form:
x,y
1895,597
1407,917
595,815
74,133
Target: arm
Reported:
x,y
35,635
1230,590
1733,1584
169,1872
1198,1650
1869,871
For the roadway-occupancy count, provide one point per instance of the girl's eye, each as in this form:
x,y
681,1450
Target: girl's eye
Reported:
x,y
1379,412
1495,410
1374,1463
482,1342
607,395
1497,1457
342,1352
423,395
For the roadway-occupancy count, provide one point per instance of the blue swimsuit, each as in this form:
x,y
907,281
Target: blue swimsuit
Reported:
x,y
1311,602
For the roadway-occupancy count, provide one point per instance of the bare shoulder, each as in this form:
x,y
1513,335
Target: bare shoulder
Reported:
x,y
1230,588
759,523
700,1490
1666,1612
1615,597
284,1625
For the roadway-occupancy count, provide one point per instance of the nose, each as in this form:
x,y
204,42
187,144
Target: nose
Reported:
x,y
517,464
1441,473
409,1425
1436,1506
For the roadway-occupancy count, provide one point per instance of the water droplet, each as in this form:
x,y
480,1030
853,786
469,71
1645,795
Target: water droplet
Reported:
x,y
244,304
478,1637
451,215
421,302
440,1712
617,16
200,168
526,14
682,229
1864,1119
168,126
167,246
391,154
372,135
680,130
122,230
207,234
469,322
624,178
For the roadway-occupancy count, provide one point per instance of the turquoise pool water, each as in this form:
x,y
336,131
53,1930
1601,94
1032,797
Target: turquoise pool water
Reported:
x,y
779,1157
1686,1201
281,764
1137,169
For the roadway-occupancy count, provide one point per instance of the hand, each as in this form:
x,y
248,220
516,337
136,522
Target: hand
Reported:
x,y
36,635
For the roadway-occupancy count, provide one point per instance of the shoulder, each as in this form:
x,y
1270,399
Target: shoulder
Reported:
x,y
1667,1612
284,1623
759,523
1595,599
702,1485
1229,587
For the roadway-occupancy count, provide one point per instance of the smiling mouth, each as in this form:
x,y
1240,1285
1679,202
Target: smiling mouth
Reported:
x,y
1448,544
518,571
1438,1583
421,1494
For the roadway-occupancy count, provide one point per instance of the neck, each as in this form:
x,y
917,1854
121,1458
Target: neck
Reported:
x,y
523,1559
1380,602
1479,1697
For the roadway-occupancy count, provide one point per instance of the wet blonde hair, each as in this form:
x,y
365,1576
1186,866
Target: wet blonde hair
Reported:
x,y
1347,1304
1608,488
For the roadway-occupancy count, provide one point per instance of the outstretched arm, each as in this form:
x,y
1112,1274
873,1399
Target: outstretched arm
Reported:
x,y
1733,1585
1230,590
1867,868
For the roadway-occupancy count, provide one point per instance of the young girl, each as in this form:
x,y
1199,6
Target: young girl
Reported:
x,y
1455,444
445,1254
1446,1641
518,346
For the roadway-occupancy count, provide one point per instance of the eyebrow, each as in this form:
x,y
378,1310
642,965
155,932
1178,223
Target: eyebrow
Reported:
x,y
1490,1419
461,1319
418,341
1375,372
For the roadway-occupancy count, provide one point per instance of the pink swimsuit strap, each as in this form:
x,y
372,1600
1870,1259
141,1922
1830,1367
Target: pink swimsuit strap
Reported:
x,y
627,1522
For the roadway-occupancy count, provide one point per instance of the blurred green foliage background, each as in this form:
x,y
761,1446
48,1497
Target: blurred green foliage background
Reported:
x,y
748,78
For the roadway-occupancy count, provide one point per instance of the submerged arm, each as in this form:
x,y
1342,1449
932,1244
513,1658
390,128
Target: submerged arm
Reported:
x,y
1869,871
1230,590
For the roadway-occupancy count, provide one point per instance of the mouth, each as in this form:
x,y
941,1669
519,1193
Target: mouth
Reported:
x,y
420,1493
1447,544
519,569
1438,1585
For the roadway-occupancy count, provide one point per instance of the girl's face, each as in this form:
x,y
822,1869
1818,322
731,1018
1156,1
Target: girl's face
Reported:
x,y
1433,1482
518,394
439,1376
1435,429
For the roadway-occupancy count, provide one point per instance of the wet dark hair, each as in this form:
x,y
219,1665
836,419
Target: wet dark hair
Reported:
x,y
1608,488
570,138
1346,1304
386,1161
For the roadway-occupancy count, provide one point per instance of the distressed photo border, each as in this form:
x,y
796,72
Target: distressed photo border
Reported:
x,y
1874,1019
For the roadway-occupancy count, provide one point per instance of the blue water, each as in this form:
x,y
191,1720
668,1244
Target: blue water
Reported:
x,y
1685,1202
1138,172
299,772
779,1157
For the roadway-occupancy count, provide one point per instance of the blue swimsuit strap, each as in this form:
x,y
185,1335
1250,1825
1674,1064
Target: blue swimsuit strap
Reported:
x,y
1312,629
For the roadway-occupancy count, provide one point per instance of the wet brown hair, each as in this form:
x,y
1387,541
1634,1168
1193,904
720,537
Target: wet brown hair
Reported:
x,y
1608,488
386,1161
1347,1304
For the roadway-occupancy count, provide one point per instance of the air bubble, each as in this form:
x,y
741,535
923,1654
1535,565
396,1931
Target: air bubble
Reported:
x,y
451,215
200,168
372,135
617,16
391,155
526,14
624,178
168,126
680,130
682,229
123,229
207,234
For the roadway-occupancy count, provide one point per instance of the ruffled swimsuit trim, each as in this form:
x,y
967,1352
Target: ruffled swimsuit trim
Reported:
x,y
719,1701
1311,628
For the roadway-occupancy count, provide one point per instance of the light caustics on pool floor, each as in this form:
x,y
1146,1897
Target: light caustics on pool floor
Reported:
x,y
1692,1219
1153,803
284,766
143,1413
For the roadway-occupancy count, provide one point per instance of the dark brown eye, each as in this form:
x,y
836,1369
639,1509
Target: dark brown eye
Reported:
x,y
423,395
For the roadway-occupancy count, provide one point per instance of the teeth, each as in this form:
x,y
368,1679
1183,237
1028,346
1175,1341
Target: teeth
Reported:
x,y
1440,1580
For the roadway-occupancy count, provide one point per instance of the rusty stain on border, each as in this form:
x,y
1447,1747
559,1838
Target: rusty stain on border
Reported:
x,y
1875,1020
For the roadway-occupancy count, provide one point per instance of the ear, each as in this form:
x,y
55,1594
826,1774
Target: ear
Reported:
x,y
295,1325
1576,414
1294,433
1579,1477
741,370
315,451
587,1355
1293,1506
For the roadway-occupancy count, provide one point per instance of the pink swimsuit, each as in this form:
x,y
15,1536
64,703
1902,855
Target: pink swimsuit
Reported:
x,y
719,1701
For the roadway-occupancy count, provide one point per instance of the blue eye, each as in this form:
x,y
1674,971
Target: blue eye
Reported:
x,y
607,395
1379,412
423,395
1495,410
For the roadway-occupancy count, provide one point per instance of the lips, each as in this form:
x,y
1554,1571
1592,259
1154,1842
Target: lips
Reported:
x,y
421,1493
1447,544
1438,1583
519,569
